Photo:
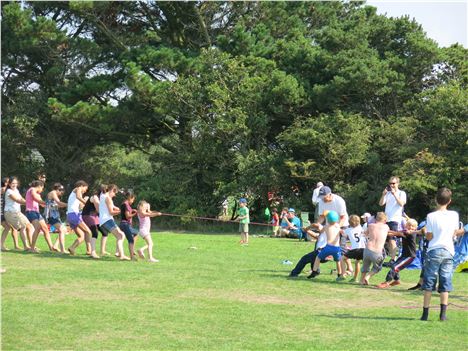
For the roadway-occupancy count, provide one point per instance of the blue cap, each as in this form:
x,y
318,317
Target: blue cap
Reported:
x,y
243,200
291,210
332,217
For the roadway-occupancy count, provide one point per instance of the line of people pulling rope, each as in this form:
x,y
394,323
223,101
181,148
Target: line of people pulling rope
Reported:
x,y
87,216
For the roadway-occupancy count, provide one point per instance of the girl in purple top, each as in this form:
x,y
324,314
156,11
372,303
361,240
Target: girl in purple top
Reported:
x,y
33,199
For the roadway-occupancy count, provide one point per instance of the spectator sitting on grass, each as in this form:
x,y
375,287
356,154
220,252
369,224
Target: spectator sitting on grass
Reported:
x,y
291,225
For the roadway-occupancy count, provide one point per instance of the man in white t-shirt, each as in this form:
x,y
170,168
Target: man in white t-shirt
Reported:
x,y
394,200
441,227
332,202
315,198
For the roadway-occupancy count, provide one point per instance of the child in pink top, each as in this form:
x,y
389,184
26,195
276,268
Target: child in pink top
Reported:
x,y
33,199
144,216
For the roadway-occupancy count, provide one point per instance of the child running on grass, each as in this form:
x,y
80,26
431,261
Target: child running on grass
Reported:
x,y
332,229
441,227
244,221
144,216
407,256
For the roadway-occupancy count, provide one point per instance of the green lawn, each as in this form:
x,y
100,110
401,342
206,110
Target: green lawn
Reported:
x,y
220,296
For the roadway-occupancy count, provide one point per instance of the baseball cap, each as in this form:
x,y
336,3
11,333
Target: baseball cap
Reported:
x,y
291,210
243,200
366,215
324,190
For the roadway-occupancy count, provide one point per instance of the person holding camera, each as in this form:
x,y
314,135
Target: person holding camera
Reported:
x,y
394,200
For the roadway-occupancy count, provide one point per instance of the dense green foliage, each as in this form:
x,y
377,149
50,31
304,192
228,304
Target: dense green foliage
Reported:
x,y
191,102
221,296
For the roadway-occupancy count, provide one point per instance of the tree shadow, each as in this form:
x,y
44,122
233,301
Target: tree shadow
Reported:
x,y
349,316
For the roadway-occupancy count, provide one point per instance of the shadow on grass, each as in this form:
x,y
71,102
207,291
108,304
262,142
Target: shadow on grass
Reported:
x,y
349,316
48,254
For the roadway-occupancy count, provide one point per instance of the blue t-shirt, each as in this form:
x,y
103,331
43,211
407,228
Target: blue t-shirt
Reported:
x,y
295,222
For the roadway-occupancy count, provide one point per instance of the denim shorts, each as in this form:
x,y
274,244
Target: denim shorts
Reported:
x,y
54,221
438,263
328,250
34,216
109,225
129,231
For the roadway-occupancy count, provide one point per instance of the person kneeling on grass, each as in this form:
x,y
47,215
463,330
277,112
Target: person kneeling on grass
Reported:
x,y
144,216
332,230
407,256
376,234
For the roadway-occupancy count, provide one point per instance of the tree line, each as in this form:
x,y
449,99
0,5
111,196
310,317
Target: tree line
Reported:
x,y
191,102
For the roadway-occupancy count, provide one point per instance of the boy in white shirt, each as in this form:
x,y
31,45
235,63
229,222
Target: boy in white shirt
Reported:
x,y
356,237
441,227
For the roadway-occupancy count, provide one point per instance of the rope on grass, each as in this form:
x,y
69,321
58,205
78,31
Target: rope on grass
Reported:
x,y
213,219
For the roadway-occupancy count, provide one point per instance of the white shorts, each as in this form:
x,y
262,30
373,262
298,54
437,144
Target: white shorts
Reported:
x,y
143,233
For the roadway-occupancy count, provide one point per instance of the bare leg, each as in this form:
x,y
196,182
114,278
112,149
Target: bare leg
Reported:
x,y
393,247
6,229
80,237
46,232
14,234
357,268
246,237
103,246
338,268
37,230
61,239
119,235
29,234
149,241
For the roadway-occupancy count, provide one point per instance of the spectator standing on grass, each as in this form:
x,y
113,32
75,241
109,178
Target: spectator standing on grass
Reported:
x,y
275,222
441,228
244,220
394,200
315,199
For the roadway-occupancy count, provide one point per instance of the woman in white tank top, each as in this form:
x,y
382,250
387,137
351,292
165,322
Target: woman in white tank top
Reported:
x,y
74,217
107,211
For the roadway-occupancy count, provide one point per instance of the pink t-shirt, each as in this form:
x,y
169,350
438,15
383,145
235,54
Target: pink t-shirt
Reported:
x,y
31,204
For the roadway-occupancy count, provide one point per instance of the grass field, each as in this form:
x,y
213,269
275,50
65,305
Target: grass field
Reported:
x,y
220,296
